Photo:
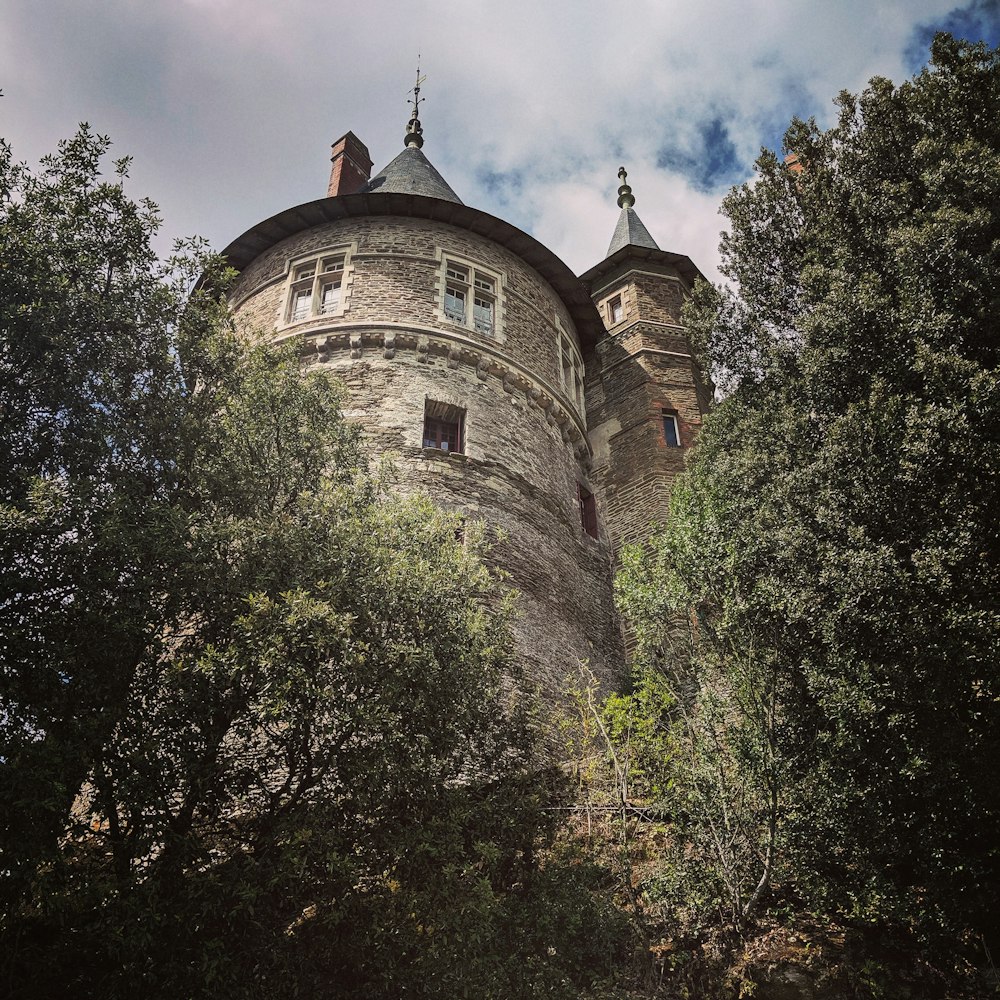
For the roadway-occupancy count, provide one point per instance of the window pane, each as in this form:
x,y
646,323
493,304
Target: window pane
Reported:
x,y
454,304
305,271
331,297
442,434
483,315
670,430
457,273
301,304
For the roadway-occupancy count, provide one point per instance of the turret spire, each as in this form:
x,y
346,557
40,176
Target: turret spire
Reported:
x,y
625,198
414,130
630,231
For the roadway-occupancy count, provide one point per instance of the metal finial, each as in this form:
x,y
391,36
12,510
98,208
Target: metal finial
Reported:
x,y
414,130
625,199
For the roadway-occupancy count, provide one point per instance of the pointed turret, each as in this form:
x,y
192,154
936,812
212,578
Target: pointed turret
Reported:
x,y
650,397
630,231
411,172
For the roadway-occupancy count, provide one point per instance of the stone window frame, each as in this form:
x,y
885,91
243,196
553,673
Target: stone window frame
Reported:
x,y
615,300
304,281
443,420
571,367
474,282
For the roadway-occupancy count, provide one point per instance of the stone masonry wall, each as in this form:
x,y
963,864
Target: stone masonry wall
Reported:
x,y
526,449
396,278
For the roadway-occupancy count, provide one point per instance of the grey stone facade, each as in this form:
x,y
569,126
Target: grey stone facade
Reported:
x,y
557,402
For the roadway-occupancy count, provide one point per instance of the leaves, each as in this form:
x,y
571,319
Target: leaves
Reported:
x,y
262,731
836,526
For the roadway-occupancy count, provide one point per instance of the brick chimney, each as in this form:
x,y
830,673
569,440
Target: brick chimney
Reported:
x,y
352,166
792,161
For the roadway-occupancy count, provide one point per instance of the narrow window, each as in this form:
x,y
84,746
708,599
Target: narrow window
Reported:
x,y
588,511
483,304
301,303
331,281
571,371
455,293
615,311
443,426
671,432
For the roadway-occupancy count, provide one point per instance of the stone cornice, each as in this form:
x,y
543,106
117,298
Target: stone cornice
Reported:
x,y
319,344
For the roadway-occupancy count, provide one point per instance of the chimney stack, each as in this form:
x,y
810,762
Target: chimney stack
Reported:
x,y
352,166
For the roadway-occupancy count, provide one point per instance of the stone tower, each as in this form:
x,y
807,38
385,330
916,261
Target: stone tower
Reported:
x,y
645,395
505,387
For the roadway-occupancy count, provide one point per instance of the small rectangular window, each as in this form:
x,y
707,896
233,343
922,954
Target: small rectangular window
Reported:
x,y
671,432
616,313
588,511
443,426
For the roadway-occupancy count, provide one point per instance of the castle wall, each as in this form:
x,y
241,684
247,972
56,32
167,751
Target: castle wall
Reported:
x,y
525,451
396,278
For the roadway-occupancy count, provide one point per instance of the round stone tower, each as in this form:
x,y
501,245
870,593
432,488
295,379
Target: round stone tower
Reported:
x,y
461,342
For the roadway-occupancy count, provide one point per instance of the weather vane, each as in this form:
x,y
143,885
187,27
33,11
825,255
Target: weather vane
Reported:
x,y
414,130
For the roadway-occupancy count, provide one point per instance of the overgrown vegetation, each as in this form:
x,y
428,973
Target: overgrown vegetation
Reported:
x,y
262,733
816,707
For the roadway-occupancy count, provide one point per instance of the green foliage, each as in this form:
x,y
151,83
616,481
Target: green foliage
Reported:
x,y
262,733
836,540
709,704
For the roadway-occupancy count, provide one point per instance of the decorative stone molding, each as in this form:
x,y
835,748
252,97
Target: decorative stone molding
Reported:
x,y
320,346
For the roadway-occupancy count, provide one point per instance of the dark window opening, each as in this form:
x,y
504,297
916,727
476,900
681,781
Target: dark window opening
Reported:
x,y
588,511
443,426
671,431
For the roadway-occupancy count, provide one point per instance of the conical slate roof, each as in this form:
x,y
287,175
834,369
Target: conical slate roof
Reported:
x,y
412,173
630,232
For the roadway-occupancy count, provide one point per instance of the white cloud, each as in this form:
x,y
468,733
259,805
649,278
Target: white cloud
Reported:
x,y
230,106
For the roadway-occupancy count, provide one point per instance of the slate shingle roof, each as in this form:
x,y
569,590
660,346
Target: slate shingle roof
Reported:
x,y
630,232
412,173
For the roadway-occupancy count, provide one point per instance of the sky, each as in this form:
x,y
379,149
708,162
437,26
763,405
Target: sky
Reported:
x,y
530,106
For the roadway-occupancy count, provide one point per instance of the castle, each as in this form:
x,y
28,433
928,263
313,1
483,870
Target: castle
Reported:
x,y
554,406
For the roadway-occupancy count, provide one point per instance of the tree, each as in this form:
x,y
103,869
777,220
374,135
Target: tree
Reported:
x,y
838,521
262,731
